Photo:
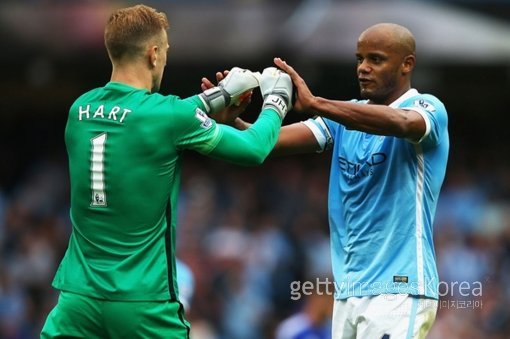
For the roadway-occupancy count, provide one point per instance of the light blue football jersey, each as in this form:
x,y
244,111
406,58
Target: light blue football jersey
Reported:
x,y
383,193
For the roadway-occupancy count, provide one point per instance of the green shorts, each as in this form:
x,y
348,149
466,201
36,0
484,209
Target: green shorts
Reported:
x,y
78,316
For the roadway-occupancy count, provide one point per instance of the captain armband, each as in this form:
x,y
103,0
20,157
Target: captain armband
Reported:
x,y
321,132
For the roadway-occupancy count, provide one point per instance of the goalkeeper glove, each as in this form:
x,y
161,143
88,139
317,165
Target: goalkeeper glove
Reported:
x,y
229,90
276,89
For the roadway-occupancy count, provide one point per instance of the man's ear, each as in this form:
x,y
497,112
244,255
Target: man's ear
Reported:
x,y
153,56
408,64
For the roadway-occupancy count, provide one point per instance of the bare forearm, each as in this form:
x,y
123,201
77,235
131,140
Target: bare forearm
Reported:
x,y
374,119
293,139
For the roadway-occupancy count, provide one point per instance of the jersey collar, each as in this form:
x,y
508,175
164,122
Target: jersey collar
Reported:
x,y
410,93
120,86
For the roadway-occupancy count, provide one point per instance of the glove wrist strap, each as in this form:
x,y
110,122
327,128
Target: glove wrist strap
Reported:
x,y
277,103
215,99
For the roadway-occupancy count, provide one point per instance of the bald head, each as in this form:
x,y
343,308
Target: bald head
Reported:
x,y
391,36
386,59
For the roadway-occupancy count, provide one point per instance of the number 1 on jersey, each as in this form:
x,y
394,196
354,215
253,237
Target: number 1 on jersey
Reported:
x,y
97,170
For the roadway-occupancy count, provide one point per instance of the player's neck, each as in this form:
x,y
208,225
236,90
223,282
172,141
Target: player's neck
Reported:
x,y
132,75
393,97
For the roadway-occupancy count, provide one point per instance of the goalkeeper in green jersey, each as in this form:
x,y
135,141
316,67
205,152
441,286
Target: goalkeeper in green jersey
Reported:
x,y
124,143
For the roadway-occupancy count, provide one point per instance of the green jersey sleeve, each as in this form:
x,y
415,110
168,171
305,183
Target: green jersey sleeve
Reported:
x,y
251,146
248,147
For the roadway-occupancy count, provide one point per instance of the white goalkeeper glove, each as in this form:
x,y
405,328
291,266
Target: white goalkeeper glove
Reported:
x,y
230,89
276,89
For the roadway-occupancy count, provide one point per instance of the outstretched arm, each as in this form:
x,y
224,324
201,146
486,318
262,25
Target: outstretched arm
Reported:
x,y
375,119
295,138
252,145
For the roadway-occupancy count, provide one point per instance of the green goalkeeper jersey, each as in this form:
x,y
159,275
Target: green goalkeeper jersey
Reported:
x,y
124,146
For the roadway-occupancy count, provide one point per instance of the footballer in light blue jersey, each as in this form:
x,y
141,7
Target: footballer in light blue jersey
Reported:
x,y
381,244
390,152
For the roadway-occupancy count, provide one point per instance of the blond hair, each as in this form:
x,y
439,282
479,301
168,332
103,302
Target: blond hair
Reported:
x,y
128,30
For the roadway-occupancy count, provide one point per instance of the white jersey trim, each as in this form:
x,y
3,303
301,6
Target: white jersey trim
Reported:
x,y
419,219
427,123
324,137
407,95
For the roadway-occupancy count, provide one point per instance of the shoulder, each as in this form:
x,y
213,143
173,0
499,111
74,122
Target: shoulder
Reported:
x,y
433,112
157,98
428,105
426,102
85,97
179,111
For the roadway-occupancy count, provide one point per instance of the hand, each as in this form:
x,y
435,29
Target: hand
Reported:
x,y
303,96
235,84
207,84
276,89
231,113
239,83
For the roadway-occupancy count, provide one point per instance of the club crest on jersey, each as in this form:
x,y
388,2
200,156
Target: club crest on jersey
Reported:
x,y
425,105
206,122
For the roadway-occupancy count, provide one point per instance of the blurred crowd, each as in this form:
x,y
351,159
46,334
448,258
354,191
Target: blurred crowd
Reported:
x,y
247,233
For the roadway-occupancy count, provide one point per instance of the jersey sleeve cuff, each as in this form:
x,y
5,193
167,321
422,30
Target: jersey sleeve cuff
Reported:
x,y
321,133
427,123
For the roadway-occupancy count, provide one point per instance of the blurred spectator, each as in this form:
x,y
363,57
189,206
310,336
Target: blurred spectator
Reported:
x,y
313,320
186,283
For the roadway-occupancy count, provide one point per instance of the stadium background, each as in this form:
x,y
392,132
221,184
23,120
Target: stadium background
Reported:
x,y
247,233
